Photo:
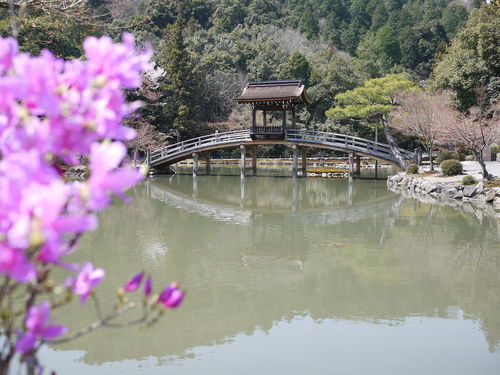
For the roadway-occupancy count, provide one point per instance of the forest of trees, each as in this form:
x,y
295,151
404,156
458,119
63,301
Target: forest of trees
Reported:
x,y
205,50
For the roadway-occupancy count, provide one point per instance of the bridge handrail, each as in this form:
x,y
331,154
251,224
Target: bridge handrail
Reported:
x,y
342,141
353,139
193,143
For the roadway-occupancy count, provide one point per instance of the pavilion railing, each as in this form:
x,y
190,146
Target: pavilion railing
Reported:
x,y
267,130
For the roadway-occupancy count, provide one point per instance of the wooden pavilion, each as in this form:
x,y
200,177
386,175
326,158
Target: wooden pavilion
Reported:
x,y
273,96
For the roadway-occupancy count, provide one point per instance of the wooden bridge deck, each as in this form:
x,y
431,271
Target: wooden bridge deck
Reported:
x,y
299,137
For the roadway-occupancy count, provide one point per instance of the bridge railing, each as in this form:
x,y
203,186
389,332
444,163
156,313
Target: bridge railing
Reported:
x,y
192,145
341,141
344,141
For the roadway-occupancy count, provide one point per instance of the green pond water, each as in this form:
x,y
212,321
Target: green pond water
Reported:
x,y
293,276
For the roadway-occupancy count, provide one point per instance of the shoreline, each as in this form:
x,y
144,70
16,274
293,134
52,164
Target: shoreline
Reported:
x,y
436,189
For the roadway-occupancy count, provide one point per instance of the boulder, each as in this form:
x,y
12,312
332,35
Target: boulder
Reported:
x,y
478,198
459,195
490,195
496,202
397,178
469,191
449,192
428,187
479,187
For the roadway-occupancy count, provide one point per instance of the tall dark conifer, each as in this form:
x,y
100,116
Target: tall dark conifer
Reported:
x,y
180,82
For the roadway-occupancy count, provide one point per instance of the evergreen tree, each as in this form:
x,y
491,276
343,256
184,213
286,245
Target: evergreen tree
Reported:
x,y
309,24
372,102
379,17
181,83
473,58
387,44
228,14
297,67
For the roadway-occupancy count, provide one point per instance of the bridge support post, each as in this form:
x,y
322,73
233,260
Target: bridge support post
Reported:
x,y
243,161
304,161
208,165
351,164
295,160
358,166
376,169
195,164
254,160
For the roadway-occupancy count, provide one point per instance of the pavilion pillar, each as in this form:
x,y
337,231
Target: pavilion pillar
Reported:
x,y
358,166
243,161
294,119
264,117
304,161
295,160
283,130
351,164
195,164
254,160
254,119
208,165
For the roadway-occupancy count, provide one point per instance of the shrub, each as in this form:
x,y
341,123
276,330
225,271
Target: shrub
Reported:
x,y
469,158
412,169
495,149
451,167
468,180
447,155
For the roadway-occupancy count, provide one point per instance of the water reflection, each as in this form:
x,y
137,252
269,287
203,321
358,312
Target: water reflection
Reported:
x,y
258,252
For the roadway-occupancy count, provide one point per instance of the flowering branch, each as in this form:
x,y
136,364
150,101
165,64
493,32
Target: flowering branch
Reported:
x,y
52,113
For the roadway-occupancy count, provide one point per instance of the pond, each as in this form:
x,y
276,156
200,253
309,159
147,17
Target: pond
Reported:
x,y
293,276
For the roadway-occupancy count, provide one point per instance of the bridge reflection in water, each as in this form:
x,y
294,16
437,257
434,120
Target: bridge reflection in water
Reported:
x,y
270,254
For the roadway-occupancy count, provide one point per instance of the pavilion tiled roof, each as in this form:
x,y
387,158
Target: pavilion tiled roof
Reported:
x,y
274,91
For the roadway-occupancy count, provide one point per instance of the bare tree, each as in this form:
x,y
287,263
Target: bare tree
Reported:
x,y
72,9
46,5
478,129
147,138
219,91
424,116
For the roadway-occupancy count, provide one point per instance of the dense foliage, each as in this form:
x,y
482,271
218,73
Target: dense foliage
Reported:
x,y
206,50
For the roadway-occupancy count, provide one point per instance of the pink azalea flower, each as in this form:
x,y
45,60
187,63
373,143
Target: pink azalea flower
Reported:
x,y
86,280
116,61
14,263
134,282
104,179
8,49
37,328
172,296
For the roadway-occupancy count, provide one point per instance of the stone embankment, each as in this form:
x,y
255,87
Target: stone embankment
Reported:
x,y
469,197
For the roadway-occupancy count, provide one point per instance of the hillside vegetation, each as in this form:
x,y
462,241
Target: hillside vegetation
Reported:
x,y
205,50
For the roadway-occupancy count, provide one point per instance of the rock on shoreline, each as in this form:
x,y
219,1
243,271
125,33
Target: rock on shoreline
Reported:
x,y
450,193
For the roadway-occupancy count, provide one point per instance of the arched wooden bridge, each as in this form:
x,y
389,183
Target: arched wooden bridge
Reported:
x,y
296,138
